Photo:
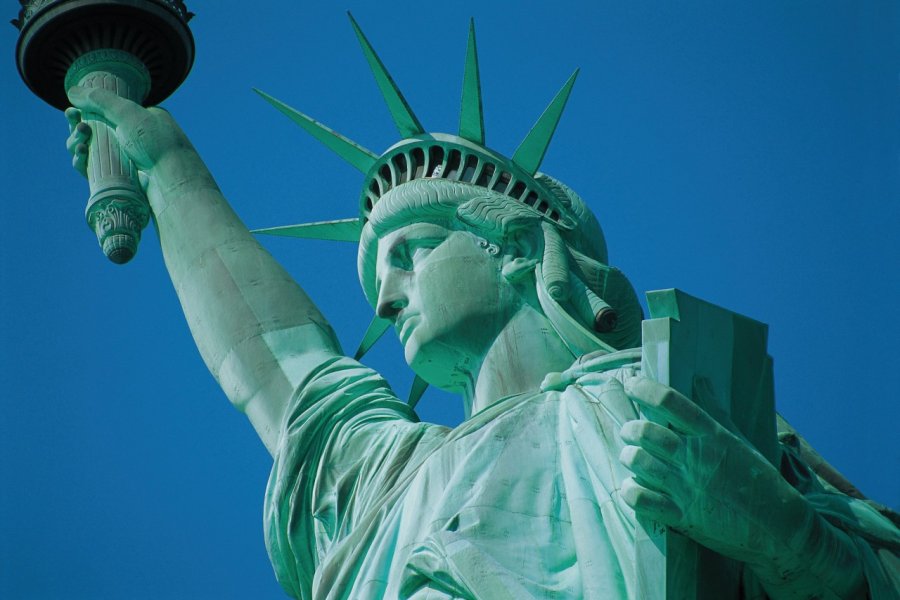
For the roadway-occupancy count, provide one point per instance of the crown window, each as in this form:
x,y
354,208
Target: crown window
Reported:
x,y
451,171
435,161
385,172
502,182
400,172
484,178
417,168
468,173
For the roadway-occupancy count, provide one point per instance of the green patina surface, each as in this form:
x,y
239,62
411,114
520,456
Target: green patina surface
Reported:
x,y
607,457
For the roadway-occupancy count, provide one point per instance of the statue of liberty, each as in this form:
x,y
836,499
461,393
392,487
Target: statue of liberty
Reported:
x,y
496,279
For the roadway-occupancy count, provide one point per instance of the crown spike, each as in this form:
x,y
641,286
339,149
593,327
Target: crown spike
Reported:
x,y
471,115
373,333
418,388
353,153
341,230
531,151
403,116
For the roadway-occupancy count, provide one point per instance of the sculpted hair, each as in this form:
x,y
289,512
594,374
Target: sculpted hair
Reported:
x,y
572,263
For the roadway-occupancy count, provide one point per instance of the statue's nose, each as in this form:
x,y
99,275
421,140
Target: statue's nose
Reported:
x,y
391,298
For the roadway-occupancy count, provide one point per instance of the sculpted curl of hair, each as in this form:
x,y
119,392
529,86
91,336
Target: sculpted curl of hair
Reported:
x,y
573,262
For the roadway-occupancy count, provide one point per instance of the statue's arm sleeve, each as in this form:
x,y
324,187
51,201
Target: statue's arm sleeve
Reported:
x,y
256,329
875,538
347,448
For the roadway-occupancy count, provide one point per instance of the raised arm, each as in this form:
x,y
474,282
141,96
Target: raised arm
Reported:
x,y
257,330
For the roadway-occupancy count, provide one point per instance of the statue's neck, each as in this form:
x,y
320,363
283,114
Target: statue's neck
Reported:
x,y
518,360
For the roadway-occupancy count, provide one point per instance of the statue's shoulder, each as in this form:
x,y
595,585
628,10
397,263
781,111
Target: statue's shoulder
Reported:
x,y
595,369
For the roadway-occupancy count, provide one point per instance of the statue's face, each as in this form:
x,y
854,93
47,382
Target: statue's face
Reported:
x,y
447,298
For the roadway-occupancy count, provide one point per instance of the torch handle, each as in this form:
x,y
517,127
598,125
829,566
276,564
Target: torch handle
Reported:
x,y
117,208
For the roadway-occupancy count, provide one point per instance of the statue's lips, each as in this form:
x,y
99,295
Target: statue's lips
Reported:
x,y
405,327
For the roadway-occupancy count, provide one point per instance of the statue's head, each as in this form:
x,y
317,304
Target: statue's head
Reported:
x,y
455,238
450,263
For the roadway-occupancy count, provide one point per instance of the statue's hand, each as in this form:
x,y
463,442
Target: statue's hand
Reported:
x,y
706,482
147,135
79,137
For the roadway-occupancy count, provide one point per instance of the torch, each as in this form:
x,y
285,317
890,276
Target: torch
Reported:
x,y
140,49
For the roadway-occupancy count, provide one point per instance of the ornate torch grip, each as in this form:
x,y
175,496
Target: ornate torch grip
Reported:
x,y
117,208
140,49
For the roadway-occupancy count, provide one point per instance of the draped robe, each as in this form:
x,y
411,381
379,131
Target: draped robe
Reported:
x,y
520,501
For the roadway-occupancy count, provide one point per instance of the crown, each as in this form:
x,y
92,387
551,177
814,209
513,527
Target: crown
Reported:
x,y
462,157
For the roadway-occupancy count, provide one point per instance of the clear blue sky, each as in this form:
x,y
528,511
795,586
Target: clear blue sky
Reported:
x,y
746,153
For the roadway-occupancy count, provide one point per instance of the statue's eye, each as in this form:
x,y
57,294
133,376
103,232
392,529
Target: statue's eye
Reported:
x,y
404,257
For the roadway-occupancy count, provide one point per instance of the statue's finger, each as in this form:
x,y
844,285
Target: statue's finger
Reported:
x,y
671,405
73,116
651,504
72,142
656,439
648,470
79,162
79,137
113,108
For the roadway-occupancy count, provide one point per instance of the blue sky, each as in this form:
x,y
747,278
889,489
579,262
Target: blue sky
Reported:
x,y
746,153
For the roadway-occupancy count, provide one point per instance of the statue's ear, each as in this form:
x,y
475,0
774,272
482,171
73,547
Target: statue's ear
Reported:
x,y
521,252
524,242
